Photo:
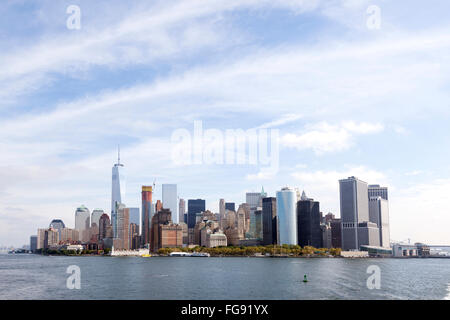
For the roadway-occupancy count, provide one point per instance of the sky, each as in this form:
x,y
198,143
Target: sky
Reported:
x,y
347,97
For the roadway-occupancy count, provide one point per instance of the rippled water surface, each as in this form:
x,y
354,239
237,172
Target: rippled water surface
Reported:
x,y
39,277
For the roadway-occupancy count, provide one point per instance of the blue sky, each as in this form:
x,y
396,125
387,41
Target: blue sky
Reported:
x,y
347,100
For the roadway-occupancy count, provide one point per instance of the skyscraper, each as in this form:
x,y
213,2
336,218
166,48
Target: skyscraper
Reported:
x,y
194,206
122,240
147,207
33,243
375,190
135,217
95,217
163,216
169,200
117,189
230,206
354,202
270,228
287,215
309,219
103,224
254,200
58,225
379,214
181,210
83,222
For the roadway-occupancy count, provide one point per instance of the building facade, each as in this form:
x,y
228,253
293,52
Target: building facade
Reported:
x,y
194,206
170,200
287,215
116,191
309,220
83,222
147,206
269,217
181,211
379,214
123,227
354,202
375,190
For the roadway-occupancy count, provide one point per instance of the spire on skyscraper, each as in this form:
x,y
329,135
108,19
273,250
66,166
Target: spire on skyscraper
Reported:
x,y
304,197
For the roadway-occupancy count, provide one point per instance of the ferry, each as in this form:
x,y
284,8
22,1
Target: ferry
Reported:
x,y
200,254
180,254
187,254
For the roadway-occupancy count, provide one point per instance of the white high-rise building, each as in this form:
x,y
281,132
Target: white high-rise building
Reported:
x,y
95,217
181,210
117,190
170,200
287,215
83,222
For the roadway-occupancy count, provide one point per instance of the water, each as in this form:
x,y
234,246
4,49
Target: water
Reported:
x,y
40,277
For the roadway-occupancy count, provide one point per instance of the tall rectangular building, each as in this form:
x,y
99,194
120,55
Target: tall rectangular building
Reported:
x,y
230,206
375,190
170,200
194,206
354,200
270,229
287,216
135,217
33,243
379,214
123,228
336,233
309,219
147,206
181,211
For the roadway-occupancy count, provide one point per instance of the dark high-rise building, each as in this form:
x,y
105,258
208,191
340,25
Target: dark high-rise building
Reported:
x,y
194,207
146,213
33,243
103,224
230,206
309,219
270,227
336,233
134,236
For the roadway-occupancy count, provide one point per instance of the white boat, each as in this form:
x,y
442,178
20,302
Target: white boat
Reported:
x,y
200,254
187,254
180,254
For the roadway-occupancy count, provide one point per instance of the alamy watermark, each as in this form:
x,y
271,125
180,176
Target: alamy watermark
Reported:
x,y
74,280
374,17
73,22
257,146
374,280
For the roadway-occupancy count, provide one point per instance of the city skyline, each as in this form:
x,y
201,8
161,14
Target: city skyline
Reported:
x,y
347,101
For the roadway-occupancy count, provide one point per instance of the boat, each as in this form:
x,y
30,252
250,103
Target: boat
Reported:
x,y
200,254
147,255
180,254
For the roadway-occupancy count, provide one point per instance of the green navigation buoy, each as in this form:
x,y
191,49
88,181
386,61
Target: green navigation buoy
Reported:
x,y
305,279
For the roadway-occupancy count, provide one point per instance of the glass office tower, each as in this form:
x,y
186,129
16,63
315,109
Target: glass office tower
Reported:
x,y
287,215
170,200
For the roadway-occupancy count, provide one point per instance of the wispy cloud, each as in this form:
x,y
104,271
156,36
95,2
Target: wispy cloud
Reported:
x,y
324,137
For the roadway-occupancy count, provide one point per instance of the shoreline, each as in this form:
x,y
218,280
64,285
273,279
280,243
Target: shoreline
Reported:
x,y
231,256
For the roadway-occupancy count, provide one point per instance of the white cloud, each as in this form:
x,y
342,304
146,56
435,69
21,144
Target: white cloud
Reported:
x,y
323,185
323,137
